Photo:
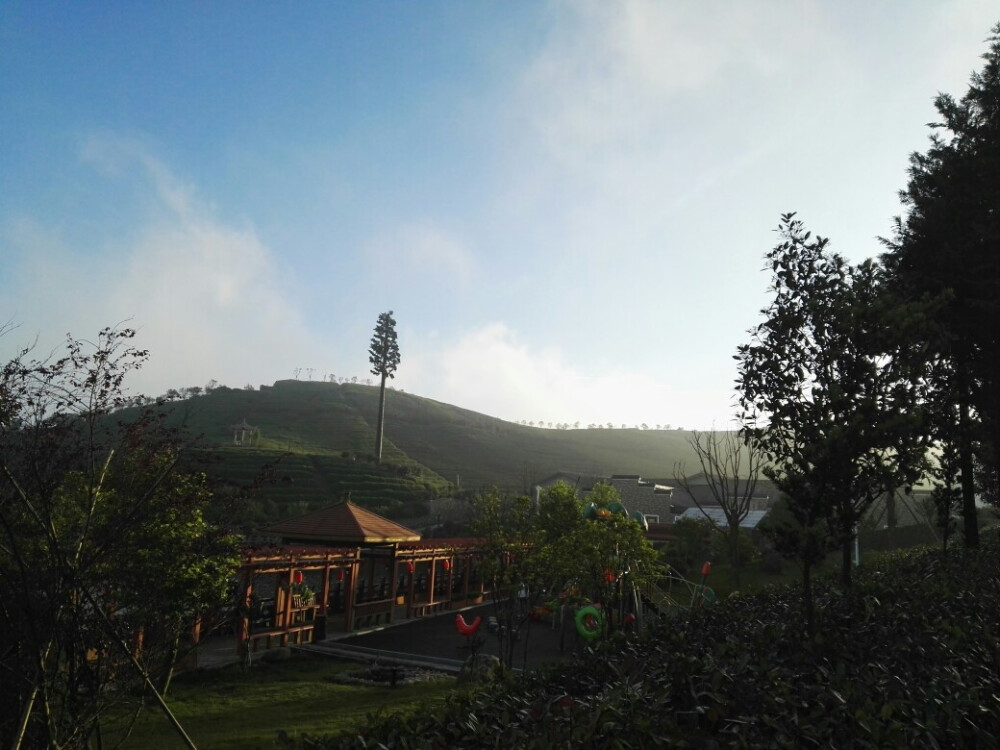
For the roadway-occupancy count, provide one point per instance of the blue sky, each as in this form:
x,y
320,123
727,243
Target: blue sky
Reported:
x,y
565,204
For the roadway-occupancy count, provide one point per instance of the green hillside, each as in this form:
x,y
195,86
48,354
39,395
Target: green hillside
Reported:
x,y
483,450
315,442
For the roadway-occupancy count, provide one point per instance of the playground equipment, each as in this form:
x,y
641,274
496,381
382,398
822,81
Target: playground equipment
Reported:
x,y
467,629
471,632
673,591
590,619
589,622
669,592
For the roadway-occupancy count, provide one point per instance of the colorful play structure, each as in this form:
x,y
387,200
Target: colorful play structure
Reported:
x,y
670,592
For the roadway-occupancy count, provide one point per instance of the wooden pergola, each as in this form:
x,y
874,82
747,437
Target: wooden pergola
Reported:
x,y
365,571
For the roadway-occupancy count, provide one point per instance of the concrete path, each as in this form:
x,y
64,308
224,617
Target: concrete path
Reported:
x,y
424,641
436,637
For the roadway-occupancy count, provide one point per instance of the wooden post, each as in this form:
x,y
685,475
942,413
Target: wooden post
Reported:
x,y
430,581
243,628
410,592
349,584
324,601
322,618
466,572
451,579
393,582
286,619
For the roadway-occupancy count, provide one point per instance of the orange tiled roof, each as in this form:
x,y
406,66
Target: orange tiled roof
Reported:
x,y
344,523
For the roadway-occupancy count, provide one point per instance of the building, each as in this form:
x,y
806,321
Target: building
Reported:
x,y
343,568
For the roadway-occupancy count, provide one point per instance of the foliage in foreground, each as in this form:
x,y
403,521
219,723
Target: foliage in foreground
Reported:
x,y
907,658
106,555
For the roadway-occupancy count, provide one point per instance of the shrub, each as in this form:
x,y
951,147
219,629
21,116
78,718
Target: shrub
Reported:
x,y
772,562
908,658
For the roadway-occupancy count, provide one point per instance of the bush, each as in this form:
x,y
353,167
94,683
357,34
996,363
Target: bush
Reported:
x,y
772,562
907,658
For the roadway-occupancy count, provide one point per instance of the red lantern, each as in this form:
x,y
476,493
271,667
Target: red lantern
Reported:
x,y
447,565
410,567
340,575
298,576
609,576
706,568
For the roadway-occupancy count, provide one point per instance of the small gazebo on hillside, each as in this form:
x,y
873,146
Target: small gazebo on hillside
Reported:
x,y
244,433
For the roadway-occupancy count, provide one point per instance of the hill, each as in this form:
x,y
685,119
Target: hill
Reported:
x,y
315,441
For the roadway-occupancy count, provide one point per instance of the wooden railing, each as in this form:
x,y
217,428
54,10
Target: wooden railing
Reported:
x,y
372,613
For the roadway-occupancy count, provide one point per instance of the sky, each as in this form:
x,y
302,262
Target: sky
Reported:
x,y
565,204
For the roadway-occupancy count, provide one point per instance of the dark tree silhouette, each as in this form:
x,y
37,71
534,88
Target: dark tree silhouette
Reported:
x,y
383,353
947,248
831,393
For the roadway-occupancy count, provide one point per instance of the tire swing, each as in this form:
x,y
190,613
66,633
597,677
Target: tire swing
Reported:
x,y
703,595
589,622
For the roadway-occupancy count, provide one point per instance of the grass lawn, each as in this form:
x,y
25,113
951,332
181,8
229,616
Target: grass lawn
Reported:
x,y
227,708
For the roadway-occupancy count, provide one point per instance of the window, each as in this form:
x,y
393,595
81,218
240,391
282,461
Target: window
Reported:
x,y
651,518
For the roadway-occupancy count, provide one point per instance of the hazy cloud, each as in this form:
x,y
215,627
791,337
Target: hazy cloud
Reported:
x,y
421,252
504,377
614,75
209,299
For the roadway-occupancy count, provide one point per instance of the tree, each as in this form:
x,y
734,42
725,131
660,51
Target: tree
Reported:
x,y
830,392
731,468
105,554
948,247
383,353
508,528
551,547
606,558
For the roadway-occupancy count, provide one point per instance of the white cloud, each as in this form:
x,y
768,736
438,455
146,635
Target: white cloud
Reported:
x,y
492,371
209,300
614,78
421,251
117,156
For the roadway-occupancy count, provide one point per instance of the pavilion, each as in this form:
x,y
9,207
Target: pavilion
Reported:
x,y
363,569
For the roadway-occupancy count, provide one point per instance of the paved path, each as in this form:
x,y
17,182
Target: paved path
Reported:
x,y
436,637
432,640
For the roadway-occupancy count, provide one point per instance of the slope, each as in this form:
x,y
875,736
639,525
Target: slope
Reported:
x,y
315,440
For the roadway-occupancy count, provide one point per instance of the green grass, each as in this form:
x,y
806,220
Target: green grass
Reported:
x,y
324,419
309,425
229,709
484,450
